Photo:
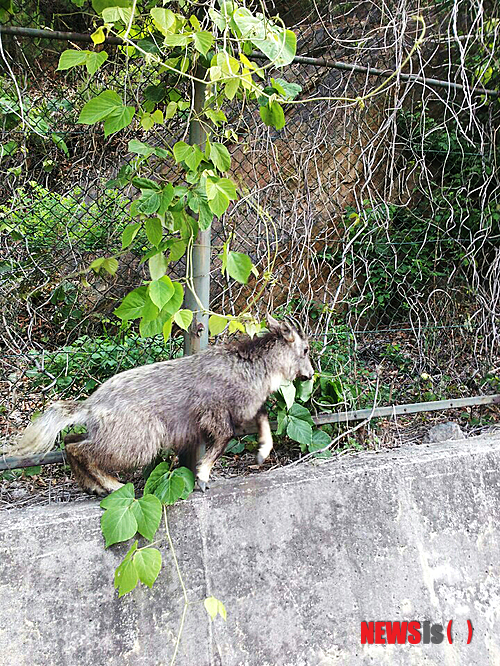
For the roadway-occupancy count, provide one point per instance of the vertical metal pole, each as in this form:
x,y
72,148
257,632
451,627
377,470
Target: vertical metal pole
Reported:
x,y
196,338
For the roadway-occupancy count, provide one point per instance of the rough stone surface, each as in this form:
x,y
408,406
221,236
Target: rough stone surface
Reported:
x,y
299,556
444,432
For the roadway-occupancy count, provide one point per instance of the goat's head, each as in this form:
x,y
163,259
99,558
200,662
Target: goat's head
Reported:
x,y
293,356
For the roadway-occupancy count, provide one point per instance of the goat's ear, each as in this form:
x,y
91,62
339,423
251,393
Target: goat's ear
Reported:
x,y
283,328
273,324
288,332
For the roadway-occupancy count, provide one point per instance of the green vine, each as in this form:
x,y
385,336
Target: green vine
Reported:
x,y
125,516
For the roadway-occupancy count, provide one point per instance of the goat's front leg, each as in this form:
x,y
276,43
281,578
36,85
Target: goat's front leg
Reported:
x,y
217,428
265,437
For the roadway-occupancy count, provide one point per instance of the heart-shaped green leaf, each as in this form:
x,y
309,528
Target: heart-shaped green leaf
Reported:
x,y
118,524
148,564
161,291
147,512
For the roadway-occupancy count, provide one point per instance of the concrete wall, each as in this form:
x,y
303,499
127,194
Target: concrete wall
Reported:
x,y
299,556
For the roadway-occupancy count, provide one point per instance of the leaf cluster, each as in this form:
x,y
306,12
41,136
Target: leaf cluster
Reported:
x,y
295,420
169,213
125,516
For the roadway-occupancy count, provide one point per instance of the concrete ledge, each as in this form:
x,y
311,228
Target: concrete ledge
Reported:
x,y
299,556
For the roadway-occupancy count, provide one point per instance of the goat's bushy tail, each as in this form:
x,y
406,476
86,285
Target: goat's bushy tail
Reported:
x,y
39,437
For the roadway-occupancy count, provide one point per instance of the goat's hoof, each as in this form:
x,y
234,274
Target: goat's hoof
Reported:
x,y
202,485
97,491
260,459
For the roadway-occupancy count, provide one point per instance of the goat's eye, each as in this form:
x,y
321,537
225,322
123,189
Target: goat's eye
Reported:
x,y
306,351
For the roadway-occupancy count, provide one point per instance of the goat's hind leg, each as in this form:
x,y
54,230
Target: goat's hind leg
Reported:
x,y
192,455
89,475
218,429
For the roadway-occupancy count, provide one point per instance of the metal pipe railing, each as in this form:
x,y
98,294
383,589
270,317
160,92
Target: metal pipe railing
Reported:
x,y
319,62
319,419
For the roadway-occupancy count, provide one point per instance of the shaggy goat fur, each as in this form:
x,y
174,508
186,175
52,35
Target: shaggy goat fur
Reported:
x,y
174,404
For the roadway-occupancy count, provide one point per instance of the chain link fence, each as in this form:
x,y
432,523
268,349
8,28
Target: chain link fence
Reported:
x,y
376,221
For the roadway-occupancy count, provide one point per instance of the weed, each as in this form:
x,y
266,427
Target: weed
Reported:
x,y
87,362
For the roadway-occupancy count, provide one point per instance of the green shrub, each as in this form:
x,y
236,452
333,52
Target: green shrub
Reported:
x,y
88,362
50,220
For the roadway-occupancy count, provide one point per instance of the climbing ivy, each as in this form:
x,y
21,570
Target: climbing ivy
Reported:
x,y
125,516
215,47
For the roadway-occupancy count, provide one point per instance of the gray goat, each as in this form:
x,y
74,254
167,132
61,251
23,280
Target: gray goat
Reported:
x,y
174,404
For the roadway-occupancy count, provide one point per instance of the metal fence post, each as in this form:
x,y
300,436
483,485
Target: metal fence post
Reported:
x,y
196,338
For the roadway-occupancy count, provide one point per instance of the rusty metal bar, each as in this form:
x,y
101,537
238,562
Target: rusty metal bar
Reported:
x,y
375,71
39,33
318,62
53,457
